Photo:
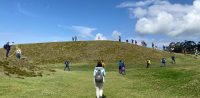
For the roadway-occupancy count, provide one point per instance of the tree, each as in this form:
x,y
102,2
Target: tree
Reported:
x,y
190,46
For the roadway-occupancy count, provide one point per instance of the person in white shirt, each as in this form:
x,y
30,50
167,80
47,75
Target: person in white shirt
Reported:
x,y
99,79
18,53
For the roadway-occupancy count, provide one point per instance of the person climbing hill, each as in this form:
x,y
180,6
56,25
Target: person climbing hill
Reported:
x,y
99,79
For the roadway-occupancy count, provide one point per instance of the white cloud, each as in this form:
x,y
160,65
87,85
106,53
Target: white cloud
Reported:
x,y
84,31
24,11
163,17
138,12
100,36
135,4
116,34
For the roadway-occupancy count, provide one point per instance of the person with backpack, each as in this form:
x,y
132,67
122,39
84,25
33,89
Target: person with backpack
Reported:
x,y
66,65
7,47
163,62
99,79
123,68
173,59
148,63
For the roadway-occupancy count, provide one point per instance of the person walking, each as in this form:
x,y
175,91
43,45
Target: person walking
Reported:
x,y
123,68
173,59
148,63
153,45
163,62
66,65
119,38
99,79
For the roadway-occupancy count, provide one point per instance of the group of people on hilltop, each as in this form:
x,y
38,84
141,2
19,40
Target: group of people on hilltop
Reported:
x,y
7,47
127,41
163,61
74,38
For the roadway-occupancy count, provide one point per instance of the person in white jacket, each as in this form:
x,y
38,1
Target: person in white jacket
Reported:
x,y
18,53
99,79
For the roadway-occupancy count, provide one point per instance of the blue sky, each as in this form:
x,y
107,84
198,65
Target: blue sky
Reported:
x,y
30,21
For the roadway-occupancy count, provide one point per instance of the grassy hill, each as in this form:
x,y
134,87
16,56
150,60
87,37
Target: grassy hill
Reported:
x,y
89,51
180,80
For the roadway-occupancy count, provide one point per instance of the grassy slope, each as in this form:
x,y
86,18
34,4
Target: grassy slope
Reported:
x,y
87,52
176,81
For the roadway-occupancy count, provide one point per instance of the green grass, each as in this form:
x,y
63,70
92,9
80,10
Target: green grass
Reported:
x,y
155,82
181,80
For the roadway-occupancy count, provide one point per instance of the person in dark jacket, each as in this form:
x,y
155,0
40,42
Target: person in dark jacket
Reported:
x,y
7,47
173,59
66,65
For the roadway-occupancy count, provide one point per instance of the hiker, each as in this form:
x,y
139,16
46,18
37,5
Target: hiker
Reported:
x,y
173,59
18,53
7,47
148,63
163,62
127,40
123,68
135,42
120,66
99,79
132,41
119,38
153,45
164,47
66,65
196,52
103,64
75,38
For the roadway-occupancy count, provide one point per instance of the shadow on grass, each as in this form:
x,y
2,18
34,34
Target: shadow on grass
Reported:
x,y
104,96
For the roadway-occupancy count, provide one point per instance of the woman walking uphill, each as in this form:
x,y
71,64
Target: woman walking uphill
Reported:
x,y
99,79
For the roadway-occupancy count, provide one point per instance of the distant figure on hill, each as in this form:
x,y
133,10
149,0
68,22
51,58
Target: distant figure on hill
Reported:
x,y
119,38
196,52
164,48
103,64
173,59
163,62
18,53
76,39
127,40
153,45
135,42
132,41
7,47
99,38
66,65
73,39
148,63
99,79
